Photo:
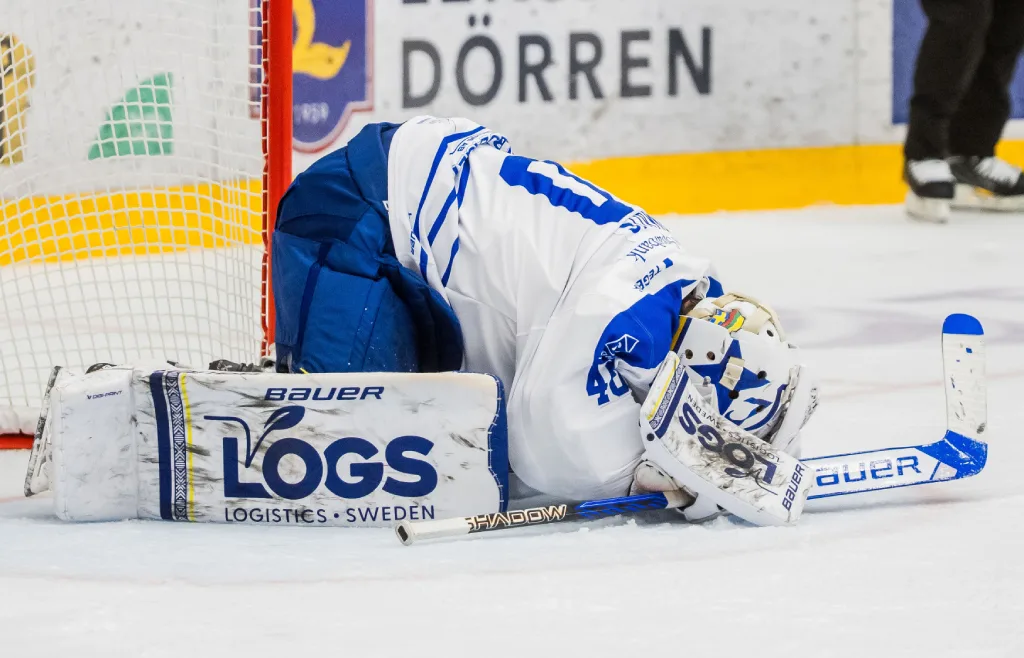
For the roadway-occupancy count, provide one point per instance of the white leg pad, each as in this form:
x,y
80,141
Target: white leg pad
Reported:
x,y
356,449
95,474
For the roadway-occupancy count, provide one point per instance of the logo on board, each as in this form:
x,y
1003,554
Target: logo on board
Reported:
x,y
332,68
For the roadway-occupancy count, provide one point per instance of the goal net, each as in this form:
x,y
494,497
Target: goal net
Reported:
x,y
131,179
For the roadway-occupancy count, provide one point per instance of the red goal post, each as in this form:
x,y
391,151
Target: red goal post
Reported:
x,y
276,118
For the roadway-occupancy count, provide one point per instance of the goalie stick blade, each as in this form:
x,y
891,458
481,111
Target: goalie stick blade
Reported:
x,y
960,453
954,457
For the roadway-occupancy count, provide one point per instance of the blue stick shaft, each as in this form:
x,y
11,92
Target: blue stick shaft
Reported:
x,y
590,509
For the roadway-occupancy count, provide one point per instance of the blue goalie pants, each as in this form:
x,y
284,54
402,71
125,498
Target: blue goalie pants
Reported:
x,y
343,302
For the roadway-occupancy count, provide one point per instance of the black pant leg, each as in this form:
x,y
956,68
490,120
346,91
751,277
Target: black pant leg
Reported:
x,y
950,53
979,121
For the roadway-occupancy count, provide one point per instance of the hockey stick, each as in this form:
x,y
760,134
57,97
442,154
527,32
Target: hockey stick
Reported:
x,y
959,454
410,532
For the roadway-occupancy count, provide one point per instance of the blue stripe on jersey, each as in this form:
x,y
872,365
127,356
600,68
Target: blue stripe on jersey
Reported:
x,y
457,195
463,183
423,262
441,216
562,170
451,260
426,188
515,172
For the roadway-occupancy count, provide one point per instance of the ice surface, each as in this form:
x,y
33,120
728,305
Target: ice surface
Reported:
x,y
927,571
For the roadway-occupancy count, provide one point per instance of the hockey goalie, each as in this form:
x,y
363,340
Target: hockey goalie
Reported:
x,y
450,315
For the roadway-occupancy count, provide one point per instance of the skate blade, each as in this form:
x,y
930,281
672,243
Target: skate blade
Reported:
x,y
969,197
935,211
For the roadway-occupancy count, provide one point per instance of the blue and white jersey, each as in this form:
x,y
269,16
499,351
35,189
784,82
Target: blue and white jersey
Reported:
x,y
566,293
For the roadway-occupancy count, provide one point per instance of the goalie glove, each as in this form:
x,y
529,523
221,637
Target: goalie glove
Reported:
x,y
697,450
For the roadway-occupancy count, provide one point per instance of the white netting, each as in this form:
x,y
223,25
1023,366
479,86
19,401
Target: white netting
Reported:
x,y
130,169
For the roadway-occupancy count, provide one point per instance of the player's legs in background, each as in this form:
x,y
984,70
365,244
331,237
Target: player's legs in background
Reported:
x,y
976,126
951,50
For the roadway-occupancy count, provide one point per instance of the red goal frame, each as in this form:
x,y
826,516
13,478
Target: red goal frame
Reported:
x,y
276,120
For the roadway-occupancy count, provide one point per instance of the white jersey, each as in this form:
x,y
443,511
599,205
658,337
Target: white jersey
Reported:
x,y
567,294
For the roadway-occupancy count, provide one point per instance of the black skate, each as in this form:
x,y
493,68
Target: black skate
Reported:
x,y
987,184
932,188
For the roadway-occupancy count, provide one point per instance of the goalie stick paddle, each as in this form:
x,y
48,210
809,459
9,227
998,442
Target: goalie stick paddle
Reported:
x,y
959,454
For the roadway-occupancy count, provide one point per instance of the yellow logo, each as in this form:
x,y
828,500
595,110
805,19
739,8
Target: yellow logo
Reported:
x,y
318,60
17,76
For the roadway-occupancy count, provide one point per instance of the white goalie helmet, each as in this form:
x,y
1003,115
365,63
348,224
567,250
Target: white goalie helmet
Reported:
x,y
738,357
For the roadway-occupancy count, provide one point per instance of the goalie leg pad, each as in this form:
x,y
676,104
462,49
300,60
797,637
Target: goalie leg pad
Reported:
x,y
357,449
94,472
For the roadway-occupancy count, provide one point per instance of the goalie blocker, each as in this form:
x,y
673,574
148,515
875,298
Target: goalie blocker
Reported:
x,y
314,450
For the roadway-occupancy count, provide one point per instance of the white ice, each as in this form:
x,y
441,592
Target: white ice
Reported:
x,y
926,571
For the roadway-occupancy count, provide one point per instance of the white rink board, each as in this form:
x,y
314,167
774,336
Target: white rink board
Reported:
x,y
937,575
788,73
801,82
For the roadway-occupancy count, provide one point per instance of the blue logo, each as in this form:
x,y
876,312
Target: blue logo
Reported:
x,y
331,61
624,345
744,460
879,469
794,484
365,473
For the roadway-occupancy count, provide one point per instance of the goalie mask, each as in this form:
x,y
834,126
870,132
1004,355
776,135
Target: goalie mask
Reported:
x,y
738,356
